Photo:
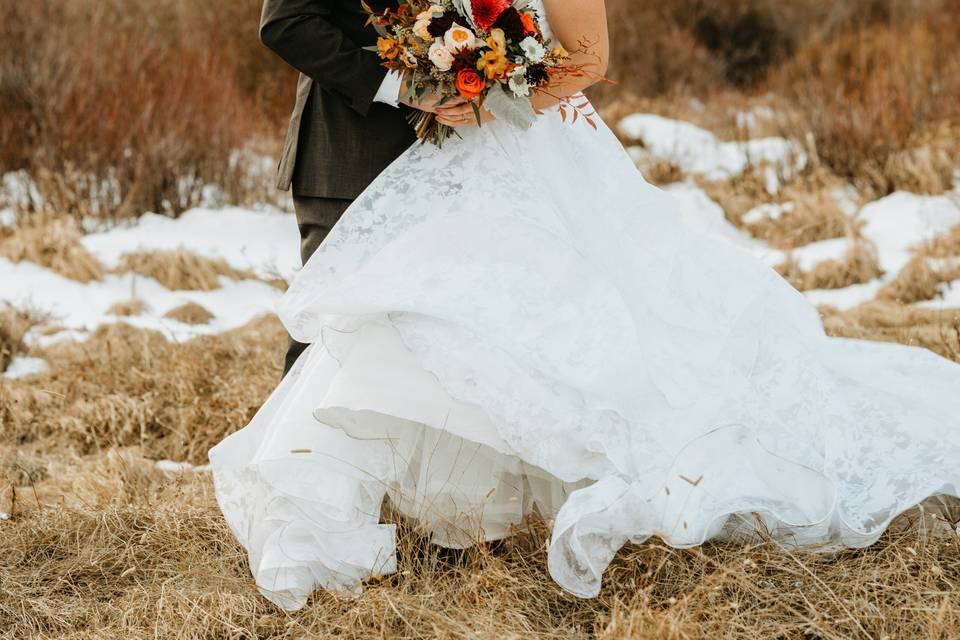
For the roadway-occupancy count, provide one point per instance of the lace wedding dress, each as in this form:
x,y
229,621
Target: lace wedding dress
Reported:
x,y
520,323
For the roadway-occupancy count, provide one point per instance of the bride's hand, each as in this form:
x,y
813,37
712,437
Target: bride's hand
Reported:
x,y
428,102
462,115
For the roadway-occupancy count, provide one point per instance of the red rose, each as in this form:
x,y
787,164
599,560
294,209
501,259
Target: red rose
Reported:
x,y
487,12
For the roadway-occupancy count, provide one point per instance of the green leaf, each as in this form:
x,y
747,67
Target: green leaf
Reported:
x,y
517,112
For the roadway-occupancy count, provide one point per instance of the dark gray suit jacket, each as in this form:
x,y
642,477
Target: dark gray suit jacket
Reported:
x,y
339,139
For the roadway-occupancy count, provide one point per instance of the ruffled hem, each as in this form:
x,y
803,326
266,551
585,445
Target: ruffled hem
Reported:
x,y
355,422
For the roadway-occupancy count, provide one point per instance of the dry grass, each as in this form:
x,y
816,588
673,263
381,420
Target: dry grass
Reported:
x,y
880,101
180,270
14,325
888,321
933,265
858,266
51,242
108,547
815,213
117,107
190,313
128,308
125,386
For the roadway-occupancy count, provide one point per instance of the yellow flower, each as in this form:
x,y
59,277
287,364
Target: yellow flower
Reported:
x,y
494,62
498,41
560,53
389,48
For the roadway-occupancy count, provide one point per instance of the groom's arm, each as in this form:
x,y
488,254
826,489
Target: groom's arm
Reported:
x,y
300,32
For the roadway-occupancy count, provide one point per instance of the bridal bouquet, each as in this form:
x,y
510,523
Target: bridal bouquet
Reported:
x,y
492,53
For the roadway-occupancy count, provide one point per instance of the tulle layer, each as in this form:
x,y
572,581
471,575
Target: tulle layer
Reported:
x,y
356,421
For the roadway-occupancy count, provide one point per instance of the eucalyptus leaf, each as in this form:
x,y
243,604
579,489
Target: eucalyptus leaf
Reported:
x,y
517,112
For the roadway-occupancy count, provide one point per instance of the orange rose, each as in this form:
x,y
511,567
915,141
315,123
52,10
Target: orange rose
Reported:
x,y
470,84
529,24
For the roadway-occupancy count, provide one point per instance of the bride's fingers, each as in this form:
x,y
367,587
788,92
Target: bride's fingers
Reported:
x,y
456,121
461,109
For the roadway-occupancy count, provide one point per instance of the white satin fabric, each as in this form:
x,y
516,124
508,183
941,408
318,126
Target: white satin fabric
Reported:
x,y
520,323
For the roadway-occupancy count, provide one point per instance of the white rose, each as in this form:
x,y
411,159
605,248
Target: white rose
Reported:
x,y
533,49
458,38
440,56
421,27
518,83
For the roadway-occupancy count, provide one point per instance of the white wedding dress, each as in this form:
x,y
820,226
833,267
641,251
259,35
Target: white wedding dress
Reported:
x,y
519,322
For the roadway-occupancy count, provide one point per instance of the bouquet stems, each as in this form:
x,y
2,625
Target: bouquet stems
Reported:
x,y
428,129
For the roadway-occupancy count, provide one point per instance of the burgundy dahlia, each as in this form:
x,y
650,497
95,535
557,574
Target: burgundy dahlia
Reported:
x,y
512,25
441,24
537,75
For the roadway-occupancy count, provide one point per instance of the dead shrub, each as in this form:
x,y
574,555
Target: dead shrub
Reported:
x,y
872,94
125,106
51,242
180,270
190,313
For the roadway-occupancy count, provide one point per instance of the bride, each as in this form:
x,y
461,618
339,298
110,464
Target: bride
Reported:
x,y
518,323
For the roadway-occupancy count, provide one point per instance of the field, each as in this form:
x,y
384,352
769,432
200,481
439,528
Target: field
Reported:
x,y
142,248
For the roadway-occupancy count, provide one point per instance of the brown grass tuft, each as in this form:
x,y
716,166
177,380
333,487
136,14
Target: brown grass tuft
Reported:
x,y
51,242
858,266
14,326
937,330
131,307
180,270
190,313
934,264
815,214
662,172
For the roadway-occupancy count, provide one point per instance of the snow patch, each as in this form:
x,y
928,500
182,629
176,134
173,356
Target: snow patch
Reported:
x,y
697,151
265,242
171,466
22,366
769,211
902,221
82,307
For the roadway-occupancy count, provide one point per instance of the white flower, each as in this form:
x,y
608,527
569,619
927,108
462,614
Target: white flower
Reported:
x,y
440,56
458,38
533,49
409,59
423,21
518,83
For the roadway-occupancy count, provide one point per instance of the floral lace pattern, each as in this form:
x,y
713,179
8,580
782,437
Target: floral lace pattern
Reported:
x,y
675,381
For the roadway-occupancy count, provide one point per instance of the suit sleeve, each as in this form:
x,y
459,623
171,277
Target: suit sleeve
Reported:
x,y
299,31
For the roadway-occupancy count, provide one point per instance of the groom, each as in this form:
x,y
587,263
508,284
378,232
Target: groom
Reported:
x,y
347,125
